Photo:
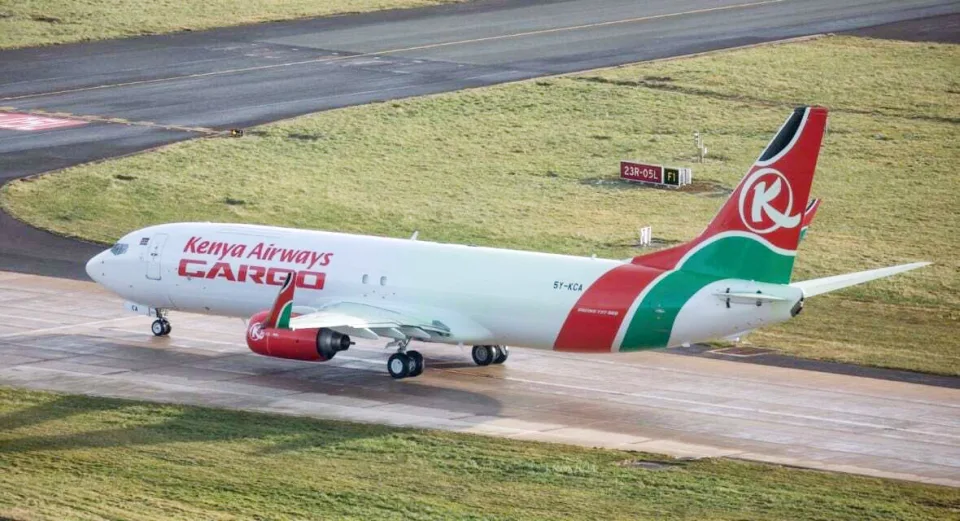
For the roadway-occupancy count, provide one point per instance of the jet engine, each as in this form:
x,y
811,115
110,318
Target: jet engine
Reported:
x,y
317,345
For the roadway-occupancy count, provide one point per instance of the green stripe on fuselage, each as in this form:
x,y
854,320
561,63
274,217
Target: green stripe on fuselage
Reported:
x,y
731,257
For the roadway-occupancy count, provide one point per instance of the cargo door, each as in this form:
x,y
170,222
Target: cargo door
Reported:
x,y
153,255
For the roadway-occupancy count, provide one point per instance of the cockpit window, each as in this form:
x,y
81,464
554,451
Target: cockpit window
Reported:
x,y
118,248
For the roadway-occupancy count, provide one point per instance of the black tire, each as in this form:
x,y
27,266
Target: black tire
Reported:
x,y
416,361
159,327
483,355
168,326
503,352
398,365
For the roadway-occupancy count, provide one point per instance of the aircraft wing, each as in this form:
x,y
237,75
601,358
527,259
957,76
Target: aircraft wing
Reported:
x,y
373,322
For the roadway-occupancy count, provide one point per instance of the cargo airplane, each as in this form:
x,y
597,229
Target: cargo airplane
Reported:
x,y
329,287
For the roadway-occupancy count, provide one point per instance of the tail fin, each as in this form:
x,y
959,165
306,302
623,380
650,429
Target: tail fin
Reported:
x,y
755,234
808,216
279,317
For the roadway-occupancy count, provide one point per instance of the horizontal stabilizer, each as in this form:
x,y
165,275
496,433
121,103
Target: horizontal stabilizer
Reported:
x,y
750,297
815,287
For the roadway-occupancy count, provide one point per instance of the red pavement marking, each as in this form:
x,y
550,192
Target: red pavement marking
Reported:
x,y
28,122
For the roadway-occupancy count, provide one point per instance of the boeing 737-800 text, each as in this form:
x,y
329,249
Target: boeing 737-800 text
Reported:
x,y
329,287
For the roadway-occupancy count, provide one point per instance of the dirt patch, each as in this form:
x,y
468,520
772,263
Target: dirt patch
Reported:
x,y
704,187
47,19
707,188
650,465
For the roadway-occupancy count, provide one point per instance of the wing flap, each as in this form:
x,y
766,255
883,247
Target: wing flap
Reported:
x,y
372,322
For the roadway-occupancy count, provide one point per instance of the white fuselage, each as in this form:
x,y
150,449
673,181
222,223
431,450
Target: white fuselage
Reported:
x,y
484,292
483,295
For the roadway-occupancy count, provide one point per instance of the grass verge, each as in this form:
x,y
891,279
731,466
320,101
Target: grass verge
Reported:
x,y
45,22
75,457
533,166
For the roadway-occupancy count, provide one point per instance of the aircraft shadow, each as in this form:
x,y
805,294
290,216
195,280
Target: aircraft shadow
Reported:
x,y
339,383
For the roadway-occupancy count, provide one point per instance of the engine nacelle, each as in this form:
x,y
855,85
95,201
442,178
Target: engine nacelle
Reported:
x,y
317,345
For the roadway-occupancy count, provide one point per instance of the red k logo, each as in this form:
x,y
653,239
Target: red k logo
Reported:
x,y
766,202
256,331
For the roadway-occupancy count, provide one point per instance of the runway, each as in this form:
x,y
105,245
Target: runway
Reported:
x,y
133,94
71,336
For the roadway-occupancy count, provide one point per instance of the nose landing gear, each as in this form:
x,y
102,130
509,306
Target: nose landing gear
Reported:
x,y
161,326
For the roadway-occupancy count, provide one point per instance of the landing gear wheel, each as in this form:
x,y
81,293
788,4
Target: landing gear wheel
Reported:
x,y
503,352
483,355
416,363
161,327
399,365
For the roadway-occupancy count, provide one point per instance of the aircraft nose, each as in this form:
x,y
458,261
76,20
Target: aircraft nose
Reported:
x,y
95,267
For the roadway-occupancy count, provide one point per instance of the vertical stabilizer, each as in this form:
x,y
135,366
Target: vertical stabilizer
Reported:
x,y
808,216
755,234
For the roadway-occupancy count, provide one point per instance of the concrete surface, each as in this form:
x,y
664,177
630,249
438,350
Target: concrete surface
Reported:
x,y
150,91
71,336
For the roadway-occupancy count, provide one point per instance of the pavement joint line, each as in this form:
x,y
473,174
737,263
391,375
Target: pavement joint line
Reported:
x,y
4,315
107,119
33,366
188,339
376,403
336,58
660,368
65,326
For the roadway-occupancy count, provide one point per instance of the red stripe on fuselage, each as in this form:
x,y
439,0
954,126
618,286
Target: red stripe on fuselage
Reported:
x,y
593,322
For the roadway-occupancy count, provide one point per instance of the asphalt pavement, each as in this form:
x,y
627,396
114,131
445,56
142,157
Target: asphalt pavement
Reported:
x,y
139,93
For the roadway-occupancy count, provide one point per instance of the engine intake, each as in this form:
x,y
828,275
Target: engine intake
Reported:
x,y
316,345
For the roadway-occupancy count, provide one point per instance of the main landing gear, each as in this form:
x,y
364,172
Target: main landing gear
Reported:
x,y
486,355
403,363
161,326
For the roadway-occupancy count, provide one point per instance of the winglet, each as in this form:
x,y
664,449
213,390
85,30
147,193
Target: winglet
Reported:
x,y
279,317
815,287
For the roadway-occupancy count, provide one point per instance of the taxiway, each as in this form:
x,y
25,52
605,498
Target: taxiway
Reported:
x,y
72,336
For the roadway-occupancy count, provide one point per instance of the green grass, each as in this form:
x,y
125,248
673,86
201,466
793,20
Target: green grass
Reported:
x,y
44,22
74,457
518,166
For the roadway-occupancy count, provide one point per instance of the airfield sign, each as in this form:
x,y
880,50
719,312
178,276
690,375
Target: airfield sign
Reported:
x,y
658,175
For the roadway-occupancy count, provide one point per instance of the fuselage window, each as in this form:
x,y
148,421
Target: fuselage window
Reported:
x,y
383,281
365,279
